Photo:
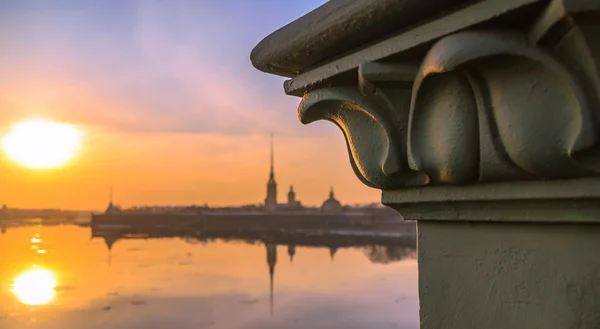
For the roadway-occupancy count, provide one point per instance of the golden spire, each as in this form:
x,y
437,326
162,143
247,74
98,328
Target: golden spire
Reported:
x,y
272,174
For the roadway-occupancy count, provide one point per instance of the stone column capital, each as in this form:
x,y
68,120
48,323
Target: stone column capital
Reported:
x,y
483,113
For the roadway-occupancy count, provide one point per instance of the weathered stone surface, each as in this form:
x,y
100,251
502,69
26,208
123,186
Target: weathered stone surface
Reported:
x,y
336,28
451,102
508,275
412,43
484,125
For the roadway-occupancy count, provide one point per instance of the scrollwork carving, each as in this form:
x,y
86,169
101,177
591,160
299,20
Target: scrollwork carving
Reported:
x,y
375,144
537,117
484,113
485,106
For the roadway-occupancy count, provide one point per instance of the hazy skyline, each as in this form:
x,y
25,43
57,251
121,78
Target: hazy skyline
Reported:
x,y
171,109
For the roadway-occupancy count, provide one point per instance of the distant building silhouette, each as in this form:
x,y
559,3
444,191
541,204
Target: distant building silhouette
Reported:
x,y
331,204
271,199
329,209
111,209
291,197
292,203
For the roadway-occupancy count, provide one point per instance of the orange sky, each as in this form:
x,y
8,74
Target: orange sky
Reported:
x,y
184,169
171,108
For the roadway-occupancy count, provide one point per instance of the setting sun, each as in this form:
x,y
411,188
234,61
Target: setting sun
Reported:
x,y
41,144
35,287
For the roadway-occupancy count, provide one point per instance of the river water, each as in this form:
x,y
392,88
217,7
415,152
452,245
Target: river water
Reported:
x,y
58,277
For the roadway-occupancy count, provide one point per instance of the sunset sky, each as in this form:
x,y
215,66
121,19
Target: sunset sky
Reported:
x,y
171,109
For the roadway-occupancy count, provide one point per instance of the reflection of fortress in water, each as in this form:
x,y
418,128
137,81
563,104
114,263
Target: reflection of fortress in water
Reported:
x,y
384,254
271,261
376,249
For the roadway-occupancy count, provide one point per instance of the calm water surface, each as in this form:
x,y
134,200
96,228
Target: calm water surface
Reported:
x,y
58,277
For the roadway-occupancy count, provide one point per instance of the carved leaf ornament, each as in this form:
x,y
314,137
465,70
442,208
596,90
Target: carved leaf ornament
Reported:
x,y
483,106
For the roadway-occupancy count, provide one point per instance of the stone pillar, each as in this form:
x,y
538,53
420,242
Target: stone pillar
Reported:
x,y
480,120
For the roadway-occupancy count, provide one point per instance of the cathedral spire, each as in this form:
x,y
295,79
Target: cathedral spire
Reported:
x,y
271,199
272,174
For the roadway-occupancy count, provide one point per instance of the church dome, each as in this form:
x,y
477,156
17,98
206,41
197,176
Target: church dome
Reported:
x,y
331,204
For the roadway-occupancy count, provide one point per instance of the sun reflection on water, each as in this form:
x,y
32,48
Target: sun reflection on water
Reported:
x,y
35,287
